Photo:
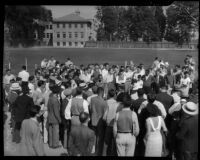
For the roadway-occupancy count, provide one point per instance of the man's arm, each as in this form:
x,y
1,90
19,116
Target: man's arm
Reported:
x,y
136,128
68,110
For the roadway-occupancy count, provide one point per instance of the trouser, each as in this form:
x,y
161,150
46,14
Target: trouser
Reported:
x,y
65,133
125,143
99,134
109,148
140,147
187,155
53,135
45,132
16,134
127,86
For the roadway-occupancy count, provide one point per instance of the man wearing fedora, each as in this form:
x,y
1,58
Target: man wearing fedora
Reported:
x,y
12,96
187,134
21,109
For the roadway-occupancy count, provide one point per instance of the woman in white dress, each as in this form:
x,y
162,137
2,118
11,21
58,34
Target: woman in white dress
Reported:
x,y
153,139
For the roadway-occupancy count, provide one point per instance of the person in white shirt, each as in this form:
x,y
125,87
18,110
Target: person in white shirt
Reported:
x,y
85,76
31,85
105,71
69,62
142,72
51,64
8,77
44,63
24,75
185,85
121,78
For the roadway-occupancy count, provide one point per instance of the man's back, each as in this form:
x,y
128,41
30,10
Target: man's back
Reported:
x,y
22,106
165,99
98,108
24,75
81,141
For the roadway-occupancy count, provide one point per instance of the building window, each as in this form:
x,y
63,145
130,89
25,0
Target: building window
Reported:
x,y
70,35
70,25
64,43
58,35
63,25
57,25
76,44
81,25
47,35
47,26
70,43
75,34
75,25
81,43
64,35
82,35
50,26
58,43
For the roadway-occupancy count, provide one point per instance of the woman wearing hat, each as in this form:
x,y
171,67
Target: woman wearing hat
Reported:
x,y
31,138
188,132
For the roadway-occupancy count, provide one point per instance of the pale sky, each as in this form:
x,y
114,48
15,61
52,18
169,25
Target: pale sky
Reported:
x,y
87,12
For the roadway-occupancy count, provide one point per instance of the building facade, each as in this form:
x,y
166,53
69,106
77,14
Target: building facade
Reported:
x,y
69,31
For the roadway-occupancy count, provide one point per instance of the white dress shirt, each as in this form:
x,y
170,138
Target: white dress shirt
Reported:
x,y
24,75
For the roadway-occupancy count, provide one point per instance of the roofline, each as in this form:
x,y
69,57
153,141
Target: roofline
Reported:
x,y
86,21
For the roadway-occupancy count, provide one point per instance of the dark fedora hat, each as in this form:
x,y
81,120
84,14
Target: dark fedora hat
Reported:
x,y
55,89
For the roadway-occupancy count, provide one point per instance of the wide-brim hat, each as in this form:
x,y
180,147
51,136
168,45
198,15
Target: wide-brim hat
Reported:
x,y
190,108
83,85
15,86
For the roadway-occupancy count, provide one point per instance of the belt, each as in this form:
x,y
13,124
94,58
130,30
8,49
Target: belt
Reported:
x,y
75,115
123,132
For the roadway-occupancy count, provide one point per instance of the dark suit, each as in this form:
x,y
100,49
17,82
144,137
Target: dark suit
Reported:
x,y
81,141
53,120
188,137
21,108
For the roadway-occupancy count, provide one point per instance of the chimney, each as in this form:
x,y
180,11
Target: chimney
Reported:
x,y
77,12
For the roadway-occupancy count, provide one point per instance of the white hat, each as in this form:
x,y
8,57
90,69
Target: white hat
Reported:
x,y
15,86
166,64
190,108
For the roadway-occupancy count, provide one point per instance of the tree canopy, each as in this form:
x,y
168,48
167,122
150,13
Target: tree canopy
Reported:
x,y
23,21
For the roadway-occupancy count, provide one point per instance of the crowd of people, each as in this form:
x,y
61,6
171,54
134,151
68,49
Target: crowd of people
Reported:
x,y
105,110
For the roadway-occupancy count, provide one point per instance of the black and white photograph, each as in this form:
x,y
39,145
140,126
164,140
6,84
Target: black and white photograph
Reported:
x,y
101,80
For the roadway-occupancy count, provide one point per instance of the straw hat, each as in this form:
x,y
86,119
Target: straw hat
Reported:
x,y
15,86
83,85
190,108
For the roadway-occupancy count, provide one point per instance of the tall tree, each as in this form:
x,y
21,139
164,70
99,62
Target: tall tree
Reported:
x,y
182,18
23,21
161,20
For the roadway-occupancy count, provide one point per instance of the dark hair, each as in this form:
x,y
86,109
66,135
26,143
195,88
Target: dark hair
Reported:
x,y
120,97
140,92
127,100
35,109
18,79
78,91
55,89
151,97
40,83
83,117
153,110
94,89
100,90
31,78
24,67
111,93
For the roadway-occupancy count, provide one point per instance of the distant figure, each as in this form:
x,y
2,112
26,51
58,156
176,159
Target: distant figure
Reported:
x,y
31,138
69,62
6,80
82,138
24,75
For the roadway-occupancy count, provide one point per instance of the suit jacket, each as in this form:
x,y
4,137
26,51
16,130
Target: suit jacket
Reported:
x,y
188,134
165,99
31,142
53,110
98,108
21,107
81,141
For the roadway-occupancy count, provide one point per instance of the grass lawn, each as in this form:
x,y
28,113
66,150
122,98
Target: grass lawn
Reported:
x,y
93,55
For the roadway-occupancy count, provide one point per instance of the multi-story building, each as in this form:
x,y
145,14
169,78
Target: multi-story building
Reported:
x,y
69,31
